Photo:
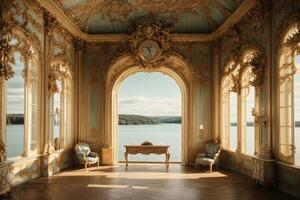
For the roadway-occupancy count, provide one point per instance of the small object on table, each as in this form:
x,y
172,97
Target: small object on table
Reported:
x,y
146,143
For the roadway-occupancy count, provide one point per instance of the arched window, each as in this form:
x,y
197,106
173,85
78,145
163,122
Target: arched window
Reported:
x,y
61,101
288,89
297,109
229,108
23,100
247,119
225,110
233,110
15,109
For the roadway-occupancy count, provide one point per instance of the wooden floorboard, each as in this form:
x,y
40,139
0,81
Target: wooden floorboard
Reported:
x,y
143,182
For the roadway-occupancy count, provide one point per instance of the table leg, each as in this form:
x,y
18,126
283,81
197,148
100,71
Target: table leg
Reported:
x,y
126,159
167,159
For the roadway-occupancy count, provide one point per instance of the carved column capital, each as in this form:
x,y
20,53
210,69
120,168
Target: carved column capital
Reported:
x,y
52,77
3,153
49,22
78,44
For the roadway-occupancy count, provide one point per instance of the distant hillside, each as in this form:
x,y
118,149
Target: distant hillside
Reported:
x,y
136,120
167,119
14,119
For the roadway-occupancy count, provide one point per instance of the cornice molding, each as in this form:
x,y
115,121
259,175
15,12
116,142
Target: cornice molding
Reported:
x,y
69,24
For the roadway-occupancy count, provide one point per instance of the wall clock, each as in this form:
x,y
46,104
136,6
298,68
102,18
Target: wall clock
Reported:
x,y
149,50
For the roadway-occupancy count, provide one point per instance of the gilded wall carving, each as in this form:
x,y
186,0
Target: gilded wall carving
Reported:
x,y
6,59
26,16
250,30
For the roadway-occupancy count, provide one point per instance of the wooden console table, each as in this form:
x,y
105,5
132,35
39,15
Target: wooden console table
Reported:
x,y
147,149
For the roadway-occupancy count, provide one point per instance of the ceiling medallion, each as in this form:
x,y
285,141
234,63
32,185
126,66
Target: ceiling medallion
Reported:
x,y
150,44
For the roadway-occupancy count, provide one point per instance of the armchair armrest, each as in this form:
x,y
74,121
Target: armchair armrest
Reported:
x,y
216,156
81,155
201,155
93,154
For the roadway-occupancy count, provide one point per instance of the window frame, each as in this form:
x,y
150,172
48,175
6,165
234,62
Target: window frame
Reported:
x,y
30,56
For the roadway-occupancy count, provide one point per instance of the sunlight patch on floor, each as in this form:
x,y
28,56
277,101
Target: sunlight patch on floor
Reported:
x,y
116,186
137,174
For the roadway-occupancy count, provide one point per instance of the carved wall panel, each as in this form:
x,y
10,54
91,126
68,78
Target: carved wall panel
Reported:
x,y
27,16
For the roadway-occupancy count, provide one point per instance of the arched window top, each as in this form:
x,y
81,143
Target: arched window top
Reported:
x,y
20,42
226,83
62,69
246,77
232,67
249,55
291,33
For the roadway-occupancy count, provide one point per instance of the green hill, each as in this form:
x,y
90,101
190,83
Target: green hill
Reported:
x,y
14,119
167,119
136,120
145,120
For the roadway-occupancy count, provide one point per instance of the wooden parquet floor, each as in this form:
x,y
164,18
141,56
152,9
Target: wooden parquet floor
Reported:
x,y
143,182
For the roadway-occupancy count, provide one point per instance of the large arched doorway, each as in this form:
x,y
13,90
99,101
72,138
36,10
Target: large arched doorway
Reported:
x,y
149,109
174,67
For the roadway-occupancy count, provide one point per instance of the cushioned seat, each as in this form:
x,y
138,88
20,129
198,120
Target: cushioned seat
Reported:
x,y
211,155
85,155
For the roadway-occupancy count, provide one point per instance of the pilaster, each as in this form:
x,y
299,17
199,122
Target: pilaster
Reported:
x,y
215,88
48,24
79,46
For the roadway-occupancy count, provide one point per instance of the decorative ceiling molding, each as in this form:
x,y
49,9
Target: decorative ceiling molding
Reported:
x,y
70,25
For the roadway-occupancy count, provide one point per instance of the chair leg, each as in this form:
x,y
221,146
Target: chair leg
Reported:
x,y
85,166
98,163
210,168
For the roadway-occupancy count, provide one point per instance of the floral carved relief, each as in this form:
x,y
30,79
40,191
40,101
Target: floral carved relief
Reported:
x,y
31,15
6,59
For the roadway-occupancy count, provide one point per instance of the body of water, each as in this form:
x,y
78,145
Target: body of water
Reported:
x,y
163,134
166,134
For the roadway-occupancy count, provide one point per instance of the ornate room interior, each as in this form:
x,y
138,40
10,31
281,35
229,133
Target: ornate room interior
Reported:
x,y
221,53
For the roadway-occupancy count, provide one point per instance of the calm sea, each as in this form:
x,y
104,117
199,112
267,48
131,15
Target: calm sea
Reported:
x,y
166,134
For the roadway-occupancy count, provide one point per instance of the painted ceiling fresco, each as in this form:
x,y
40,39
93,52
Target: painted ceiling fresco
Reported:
x,y
118,16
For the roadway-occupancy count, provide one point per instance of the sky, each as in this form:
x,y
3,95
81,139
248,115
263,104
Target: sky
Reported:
x,y
150,94
15,88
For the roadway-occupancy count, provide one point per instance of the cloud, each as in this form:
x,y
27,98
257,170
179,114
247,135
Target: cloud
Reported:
x,y
150,107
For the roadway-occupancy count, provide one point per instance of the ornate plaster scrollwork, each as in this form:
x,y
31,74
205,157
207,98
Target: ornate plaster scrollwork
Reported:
x,y
49,22
78,44
293,40
150,44
256,61
235,87
57,71
6,59
52,78
3,153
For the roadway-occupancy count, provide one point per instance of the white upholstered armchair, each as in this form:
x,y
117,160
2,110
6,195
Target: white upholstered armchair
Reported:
x,y
85,155
210,156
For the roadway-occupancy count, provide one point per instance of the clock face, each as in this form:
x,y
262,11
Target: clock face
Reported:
x,y
149,50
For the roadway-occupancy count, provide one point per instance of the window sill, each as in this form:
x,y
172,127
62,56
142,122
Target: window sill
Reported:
x,y
22,159
288,165
229,150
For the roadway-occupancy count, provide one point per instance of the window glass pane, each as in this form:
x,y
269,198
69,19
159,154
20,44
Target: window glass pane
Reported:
x,y
15,110
297,110
57,116
250,126
233,121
